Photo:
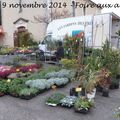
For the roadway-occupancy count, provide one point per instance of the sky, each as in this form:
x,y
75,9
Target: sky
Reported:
x,y
105,10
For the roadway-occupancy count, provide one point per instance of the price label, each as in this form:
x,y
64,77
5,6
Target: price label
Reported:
x,y
78,89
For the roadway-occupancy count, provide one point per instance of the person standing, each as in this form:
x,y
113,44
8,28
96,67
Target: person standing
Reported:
x,y
60,52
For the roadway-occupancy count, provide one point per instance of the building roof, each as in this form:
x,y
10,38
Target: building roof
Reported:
x,y
25,20
115,16
92,1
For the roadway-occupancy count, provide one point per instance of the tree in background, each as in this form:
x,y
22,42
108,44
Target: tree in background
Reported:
x,y
26,39
55,14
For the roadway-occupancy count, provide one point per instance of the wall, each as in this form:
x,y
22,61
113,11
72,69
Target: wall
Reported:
x,y
101,29
10,15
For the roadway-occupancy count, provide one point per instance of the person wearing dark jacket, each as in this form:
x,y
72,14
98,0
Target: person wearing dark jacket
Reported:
x,y
60,52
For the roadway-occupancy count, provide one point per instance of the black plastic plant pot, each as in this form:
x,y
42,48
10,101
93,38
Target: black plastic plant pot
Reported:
x,y
1,94
73,92
116,86
99,88
42,91
27,97
112,86
82,110
117,76
61,86
65,106
83,92
14,95
105,92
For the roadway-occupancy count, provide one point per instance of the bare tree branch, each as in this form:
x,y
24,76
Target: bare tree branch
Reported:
x,y
55,15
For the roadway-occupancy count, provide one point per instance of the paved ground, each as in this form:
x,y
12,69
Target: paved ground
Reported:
x,y
35,109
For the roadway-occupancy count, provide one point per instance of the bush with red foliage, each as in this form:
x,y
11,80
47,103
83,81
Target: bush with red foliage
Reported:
x,y
29,68
5,73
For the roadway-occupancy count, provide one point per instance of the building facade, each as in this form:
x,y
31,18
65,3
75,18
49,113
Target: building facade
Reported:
x,y
17,15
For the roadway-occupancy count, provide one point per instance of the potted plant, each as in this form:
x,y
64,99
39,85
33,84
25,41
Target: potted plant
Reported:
x,y
104,80
117,113
54,99
83,105
3,88
40,84
14,88
88,81
114,84
73,92
59,82
28,93
111,61
68,101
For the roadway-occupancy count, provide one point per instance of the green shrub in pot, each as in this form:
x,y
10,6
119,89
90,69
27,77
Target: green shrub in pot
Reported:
x,y
61,74
40,84
51,75
3,87
61,81
28,91
54,99
51,81
58,81
83,104
13,89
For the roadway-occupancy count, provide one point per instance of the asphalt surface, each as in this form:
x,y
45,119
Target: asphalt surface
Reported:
x,y
35,109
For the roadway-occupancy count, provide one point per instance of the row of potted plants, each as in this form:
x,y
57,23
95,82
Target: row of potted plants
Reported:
x,y
17,89
17,50
27,89
80,104
43,84
101,70
63,73
5,72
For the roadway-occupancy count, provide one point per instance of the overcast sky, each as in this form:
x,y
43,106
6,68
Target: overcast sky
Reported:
x,y
115,10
